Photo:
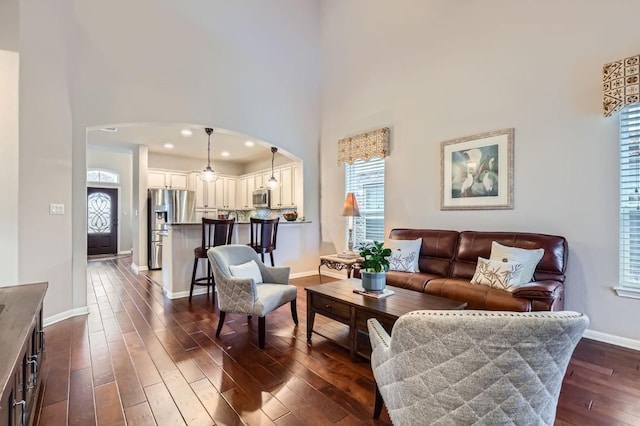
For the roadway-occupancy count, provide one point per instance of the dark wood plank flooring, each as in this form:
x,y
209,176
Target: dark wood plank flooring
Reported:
x,y
141,359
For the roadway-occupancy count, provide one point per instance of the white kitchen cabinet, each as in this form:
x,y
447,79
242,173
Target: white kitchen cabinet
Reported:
x,y
265,178
287,187
275,193
205,191
225,192
156,179
167,179
246,186
257,181
284,195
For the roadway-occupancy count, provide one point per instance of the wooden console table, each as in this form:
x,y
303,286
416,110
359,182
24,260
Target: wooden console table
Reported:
x,y
332,261
21,352
336,300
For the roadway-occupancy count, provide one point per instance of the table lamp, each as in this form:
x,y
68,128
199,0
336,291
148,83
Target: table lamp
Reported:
x,y
350,209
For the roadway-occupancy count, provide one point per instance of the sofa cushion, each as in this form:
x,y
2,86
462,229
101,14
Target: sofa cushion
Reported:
x,y
438,248
474,244
477,296
411,280
503,275
529,259
404,255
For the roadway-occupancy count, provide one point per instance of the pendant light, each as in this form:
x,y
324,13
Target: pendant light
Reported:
x,y
272,183
208,175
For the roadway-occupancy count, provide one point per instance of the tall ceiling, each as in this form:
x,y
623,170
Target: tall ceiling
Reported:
x,y
194,146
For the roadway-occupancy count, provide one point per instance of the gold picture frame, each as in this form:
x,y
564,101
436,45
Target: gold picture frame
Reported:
x,y
477,171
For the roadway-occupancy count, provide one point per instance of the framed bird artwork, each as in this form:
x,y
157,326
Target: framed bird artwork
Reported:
x,y
477,171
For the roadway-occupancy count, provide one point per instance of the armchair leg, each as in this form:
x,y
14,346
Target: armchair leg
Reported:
x,y
220,323
377,404
261,332
294,312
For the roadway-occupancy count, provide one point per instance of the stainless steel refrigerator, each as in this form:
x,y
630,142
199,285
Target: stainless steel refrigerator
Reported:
x,y
166,206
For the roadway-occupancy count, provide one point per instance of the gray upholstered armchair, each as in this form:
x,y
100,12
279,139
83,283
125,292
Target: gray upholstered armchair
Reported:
x,y
473,367
244,295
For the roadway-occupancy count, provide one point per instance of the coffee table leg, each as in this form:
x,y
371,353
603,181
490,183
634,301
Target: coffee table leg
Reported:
x,y
311,315
353,336
349,268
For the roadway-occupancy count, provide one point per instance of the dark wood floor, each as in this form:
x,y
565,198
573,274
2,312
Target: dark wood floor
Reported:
x,y
139,359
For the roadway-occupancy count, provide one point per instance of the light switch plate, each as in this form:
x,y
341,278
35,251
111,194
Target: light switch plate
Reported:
x,y
56,208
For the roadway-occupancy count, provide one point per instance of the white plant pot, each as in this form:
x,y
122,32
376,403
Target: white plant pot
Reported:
x,y
373,281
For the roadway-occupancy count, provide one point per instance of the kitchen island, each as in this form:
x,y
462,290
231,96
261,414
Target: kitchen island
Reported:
x,y
182,238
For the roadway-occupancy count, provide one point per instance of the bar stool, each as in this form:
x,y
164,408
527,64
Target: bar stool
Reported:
x,y
263,236
215,232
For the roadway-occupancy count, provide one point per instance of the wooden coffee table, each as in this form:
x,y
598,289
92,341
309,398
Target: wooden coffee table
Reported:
x,y
337,301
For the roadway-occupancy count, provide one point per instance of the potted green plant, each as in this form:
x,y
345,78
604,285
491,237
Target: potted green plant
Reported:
x,y
375,265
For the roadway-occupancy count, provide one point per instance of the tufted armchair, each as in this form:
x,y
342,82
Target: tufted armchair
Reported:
x,y
243,295
473,367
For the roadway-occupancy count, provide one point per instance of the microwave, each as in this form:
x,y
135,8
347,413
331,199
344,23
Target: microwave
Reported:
x,y
262,198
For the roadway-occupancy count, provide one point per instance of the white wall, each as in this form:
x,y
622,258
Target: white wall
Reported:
x,y
251,67
45,162
9,25
9,65
174,162
121,163
437,70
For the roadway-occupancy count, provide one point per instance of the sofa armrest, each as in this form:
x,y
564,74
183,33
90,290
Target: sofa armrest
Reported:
x,y
547,289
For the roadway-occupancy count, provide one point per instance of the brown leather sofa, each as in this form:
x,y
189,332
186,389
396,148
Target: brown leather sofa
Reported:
x,y
448,261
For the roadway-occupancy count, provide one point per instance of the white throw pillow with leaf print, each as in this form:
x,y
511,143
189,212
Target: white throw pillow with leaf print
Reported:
x,y
503,275
405,255
529,259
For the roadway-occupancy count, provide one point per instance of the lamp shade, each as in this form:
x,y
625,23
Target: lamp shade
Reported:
x,y
350,207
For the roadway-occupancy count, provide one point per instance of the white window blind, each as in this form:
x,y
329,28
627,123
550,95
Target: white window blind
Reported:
x,y
366,180
630,197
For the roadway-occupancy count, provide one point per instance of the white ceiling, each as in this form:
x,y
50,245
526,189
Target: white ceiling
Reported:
x,y
195,146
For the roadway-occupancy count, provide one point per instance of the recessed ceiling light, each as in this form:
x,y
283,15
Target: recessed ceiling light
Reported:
x,y
168,145
109,129
186,132
224,153
248,143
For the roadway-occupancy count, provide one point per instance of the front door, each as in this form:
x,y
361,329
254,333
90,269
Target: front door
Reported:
x,y
102,221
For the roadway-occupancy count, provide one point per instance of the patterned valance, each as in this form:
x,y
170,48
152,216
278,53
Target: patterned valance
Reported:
x,y
620,84
365,146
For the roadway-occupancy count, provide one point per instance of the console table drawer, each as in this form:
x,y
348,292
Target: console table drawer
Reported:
x,y
324,305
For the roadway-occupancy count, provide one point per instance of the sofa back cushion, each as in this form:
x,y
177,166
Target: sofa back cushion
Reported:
x,y
437,251
472,245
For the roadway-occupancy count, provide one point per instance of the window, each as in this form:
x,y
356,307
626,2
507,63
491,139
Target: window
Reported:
x,y
366,180
630,201
102,176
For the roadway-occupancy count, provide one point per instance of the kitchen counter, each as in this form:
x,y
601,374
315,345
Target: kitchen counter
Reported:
x,y
182,238
282,222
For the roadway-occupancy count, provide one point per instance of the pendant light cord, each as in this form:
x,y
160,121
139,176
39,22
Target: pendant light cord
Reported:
x,y
209,151
273,157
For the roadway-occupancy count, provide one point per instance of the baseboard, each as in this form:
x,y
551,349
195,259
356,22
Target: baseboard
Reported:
x,y
181,294
125,252
66,315
612,339
137,268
